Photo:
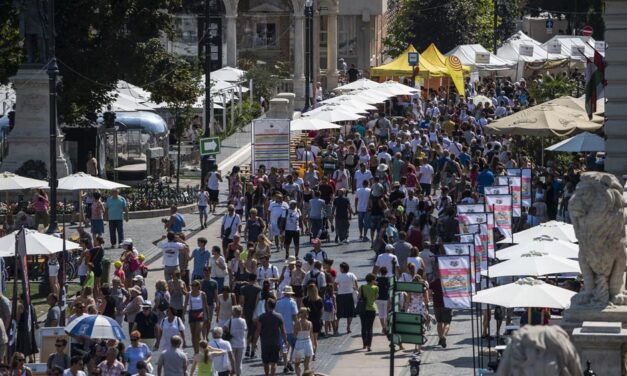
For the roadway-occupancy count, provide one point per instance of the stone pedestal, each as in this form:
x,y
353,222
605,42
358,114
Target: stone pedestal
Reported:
x,y
601,344
30,139
575,317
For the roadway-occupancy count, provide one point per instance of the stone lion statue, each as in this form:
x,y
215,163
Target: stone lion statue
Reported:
x,y
540,351
597,213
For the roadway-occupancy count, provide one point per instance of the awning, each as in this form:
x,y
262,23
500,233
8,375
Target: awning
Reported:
x,y
400,67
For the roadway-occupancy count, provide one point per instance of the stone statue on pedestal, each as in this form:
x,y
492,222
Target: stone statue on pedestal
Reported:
x,y
33,28
540,351
597,213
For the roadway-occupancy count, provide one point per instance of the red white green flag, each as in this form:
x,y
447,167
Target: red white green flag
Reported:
x,y
595,82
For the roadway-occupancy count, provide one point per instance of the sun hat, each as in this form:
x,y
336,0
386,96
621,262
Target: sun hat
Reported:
x,y
287,290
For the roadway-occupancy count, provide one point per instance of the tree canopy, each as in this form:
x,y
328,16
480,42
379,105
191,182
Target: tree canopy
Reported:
x,y
98,43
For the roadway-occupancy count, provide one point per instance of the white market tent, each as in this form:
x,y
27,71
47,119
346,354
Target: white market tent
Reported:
x,y
467,54
573,46
511,50
228,74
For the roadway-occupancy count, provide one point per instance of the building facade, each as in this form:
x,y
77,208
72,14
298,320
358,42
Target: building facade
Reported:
x,y
269,31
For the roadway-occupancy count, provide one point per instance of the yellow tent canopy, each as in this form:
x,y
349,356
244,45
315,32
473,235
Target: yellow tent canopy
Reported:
x,y
400,67
435,57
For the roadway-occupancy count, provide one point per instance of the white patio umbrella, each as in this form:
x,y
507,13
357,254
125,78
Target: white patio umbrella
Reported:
x,y
526,292
332,114
545,245
354,107
534,264
351,102
362,83
37,243
81,181
398,89
370,98
582,142
481,99
551,229
309,124
376,94
12,182
228,74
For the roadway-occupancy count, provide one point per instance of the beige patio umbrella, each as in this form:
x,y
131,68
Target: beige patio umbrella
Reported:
x,y
543,120
579,105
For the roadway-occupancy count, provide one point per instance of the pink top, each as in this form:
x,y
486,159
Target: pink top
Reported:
x,y
40,205
97,210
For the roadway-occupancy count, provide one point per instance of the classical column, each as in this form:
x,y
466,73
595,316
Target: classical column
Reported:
x,y
230,11
316,47
231,40
299,47
332,76
615,18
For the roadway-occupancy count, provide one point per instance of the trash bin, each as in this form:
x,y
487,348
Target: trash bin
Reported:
x,y
106,271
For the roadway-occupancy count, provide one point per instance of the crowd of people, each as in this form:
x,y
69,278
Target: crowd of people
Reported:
x,y
399,175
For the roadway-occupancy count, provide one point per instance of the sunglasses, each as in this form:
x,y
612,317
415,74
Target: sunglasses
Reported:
x,y
21,360
134,339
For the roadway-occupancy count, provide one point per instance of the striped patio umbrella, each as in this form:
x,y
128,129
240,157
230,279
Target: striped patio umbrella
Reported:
x,y
95,326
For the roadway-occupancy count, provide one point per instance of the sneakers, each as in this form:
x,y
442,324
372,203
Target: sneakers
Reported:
x,y
290,367
442,342
286,370
366,239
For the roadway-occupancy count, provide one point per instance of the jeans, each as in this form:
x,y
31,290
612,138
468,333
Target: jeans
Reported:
x,y
116,226
316,227
202,213
367,322
361,221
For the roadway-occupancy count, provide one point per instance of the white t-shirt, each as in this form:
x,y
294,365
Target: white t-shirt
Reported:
x,y
411,205
362,195
217,271
239,331
427,257
68,372
417,261
266,273
426,174
360,177
386,156
232,224
53,269
292,222
221,363
203,198
170,252
345,283
385,259
342,179
277,210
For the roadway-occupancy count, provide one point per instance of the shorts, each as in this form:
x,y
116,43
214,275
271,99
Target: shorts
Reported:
x,y
382,308
274,230
213,195
375,221
443,315
97,226
363,220
289,235
270,353
328,209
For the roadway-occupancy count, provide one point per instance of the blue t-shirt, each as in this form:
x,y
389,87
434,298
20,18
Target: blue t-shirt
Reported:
x,y
485,179
464,159
201,259
115,208
134,355
287,308
177,227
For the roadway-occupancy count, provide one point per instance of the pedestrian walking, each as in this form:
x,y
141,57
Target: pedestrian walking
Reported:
x,y
172,360
271,330
368,292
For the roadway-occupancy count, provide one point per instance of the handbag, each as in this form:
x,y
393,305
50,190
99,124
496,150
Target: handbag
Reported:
x,y
360,308
227,333
226,231
197,314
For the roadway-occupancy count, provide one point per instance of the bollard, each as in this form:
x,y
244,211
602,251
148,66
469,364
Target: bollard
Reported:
x,y
414,366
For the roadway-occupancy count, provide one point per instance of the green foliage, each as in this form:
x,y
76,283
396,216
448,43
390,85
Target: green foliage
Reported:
x,y
10,51
264,81
99,42
551,87
448,24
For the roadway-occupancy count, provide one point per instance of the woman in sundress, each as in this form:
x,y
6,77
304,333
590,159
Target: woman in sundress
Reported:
x,y
418,303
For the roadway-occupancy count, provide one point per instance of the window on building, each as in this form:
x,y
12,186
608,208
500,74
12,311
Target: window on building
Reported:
x,y
265,35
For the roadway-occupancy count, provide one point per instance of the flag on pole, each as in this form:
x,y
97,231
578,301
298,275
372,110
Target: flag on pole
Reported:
x,y
454,66
595,82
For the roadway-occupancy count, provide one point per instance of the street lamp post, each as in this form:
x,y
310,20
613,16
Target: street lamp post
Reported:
x,y
53,72
207,162
308,53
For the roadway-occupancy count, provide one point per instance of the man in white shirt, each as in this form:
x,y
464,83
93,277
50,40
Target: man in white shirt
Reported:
x,y
171,248
277,209
429,258
222,364
342,177
267,271
425,176
361,207
387,259
411,206
383,154
455,147
361,175
293,226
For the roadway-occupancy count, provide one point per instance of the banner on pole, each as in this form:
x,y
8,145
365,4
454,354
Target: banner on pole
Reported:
x,y
455,278
525,187
501,180
501,206
458,249
515,183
